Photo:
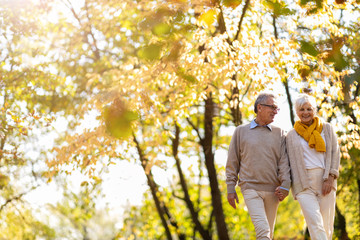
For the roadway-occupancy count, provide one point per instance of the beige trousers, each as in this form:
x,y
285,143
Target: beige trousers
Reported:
x,y
318,210
262,207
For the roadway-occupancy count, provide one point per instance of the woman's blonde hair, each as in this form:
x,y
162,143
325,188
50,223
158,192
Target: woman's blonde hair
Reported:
x,y
304,98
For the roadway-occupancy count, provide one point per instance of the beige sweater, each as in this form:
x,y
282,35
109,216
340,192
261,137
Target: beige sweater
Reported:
x,y
299,176
257,159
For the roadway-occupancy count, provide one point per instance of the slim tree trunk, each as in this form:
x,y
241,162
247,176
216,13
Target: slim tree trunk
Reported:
x,y
288,95
210,166
306,234
85,237
358,183
194,214
153,190
340,224
235,108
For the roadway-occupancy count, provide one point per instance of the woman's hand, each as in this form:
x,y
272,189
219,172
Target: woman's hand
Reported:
x,y
281,193
327,185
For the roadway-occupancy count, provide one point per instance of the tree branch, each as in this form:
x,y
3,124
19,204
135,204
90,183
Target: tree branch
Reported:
x,y
246,6
153,188
16,198
194,214
221,20
210,220
97,52
71,8
196,130
274,26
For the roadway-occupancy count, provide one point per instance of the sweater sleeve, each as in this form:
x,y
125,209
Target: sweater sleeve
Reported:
x,y
335,153
284,165
233,162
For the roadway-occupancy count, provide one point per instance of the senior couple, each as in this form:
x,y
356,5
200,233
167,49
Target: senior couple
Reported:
x,y
265,162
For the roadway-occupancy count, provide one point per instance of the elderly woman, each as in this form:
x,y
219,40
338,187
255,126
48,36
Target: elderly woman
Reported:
x,y
314,161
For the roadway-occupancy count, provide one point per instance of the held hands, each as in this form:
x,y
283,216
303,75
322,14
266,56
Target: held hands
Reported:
x,y
281,193
232,197
327,185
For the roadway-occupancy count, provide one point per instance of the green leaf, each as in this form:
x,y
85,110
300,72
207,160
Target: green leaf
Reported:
x,y
118,119
335,56
150,52
232,3
4,181
318,5
309,48
161,29
351,79
279,8
179,17
188,77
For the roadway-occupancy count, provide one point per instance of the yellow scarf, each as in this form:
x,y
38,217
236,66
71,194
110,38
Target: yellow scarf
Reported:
x,y
311,134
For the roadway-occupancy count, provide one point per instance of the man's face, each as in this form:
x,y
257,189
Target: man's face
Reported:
x,y
267,111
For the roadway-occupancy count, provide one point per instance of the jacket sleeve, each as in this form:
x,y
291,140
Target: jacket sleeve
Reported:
x,y
233,162
284,165
335,153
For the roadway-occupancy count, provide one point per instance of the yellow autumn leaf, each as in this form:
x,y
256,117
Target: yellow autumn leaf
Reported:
x,y
208,17
84,183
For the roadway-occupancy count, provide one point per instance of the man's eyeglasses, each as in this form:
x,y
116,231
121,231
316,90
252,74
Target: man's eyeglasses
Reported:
x,y
273,107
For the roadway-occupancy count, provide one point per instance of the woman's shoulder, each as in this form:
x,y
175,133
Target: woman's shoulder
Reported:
x,y
291,132
327,126
291,135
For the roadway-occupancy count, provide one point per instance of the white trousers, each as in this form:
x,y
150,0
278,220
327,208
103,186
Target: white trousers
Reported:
x,y
318,210
262,207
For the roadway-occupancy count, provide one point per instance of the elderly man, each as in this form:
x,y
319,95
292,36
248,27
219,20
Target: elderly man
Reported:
x,y
258,162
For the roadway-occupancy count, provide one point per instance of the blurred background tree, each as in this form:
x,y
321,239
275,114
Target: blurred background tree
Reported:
x,y
168,81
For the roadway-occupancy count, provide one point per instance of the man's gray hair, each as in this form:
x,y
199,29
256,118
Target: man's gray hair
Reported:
x,y
262,99
303,99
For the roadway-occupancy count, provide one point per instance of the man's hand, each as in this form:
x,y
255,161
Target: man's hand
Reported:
x,y
327,185
281,193
232,197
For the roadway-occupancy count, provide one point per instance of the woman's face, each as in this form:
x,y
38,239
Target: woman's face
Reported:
x,y
306,114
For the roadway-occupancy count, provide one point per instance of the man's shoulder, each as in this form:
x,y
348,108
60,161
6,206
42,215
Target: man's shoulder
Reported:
x,y
243,126
278,129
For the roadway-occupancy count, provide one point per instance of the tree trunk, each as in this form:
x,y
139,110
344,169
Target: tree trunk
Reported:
x,y
358,183
340,224
287,90
210,166
153,190
194,214
306,234
235,108
158,204
85,237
